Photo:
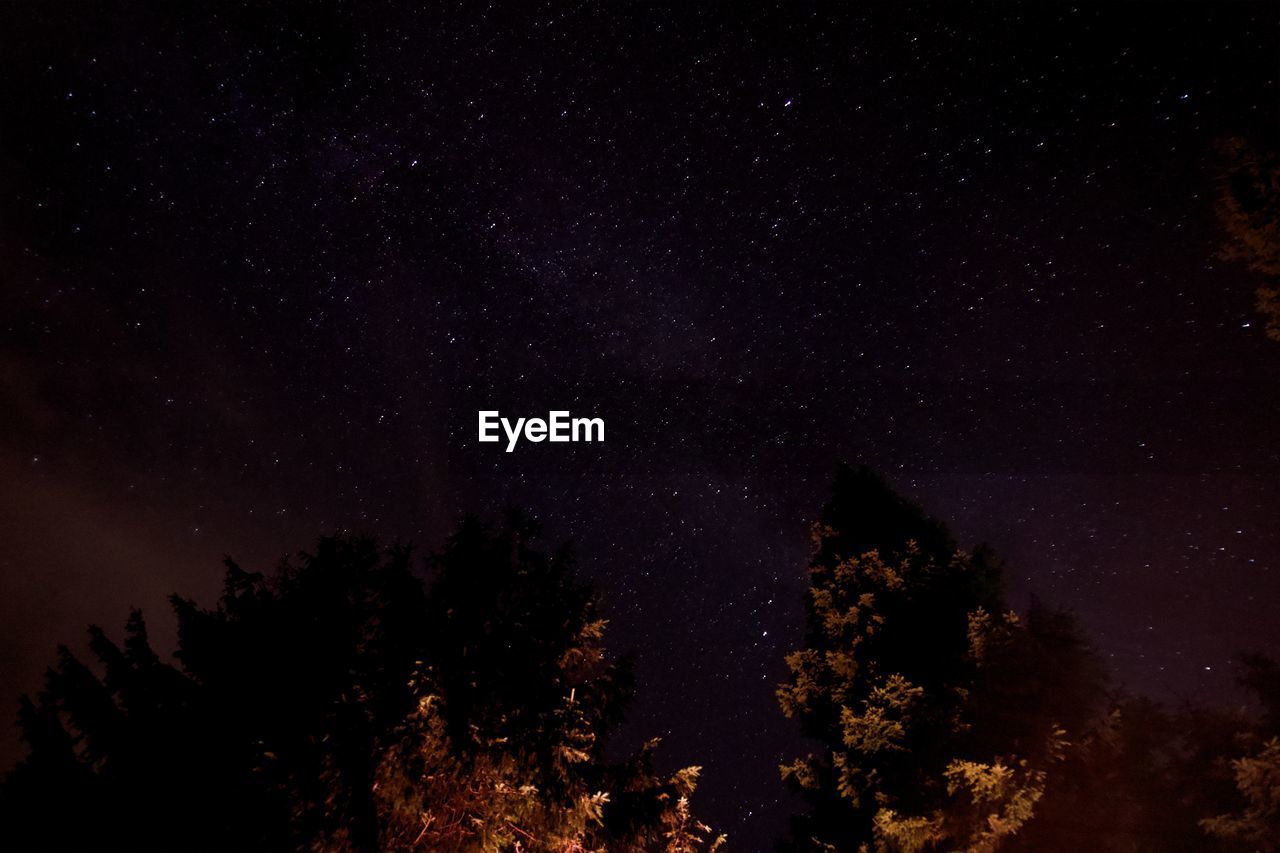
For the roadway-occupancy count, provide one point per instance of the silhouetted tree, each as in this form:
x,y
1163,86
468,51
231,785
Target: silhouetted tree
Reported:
x,y
937,712
1249,207
1138,777
1257,824
1253,819
945,722
343,704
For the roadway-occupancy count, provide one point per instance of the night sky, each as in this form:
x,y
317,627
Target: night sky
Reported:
x,y
262,264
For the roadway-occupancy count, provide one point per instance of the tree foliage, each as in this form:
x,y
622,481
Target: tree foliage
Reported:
x,y
943,721
341,703
936,710
1254,821
1258,780
1249,208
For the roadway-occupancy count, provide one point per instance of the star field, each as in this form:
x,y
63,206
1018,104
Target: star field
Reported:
x,y
263,266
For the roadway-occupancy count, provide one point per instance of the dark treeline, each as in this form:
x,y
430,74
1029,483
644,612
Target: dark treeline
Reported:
x,y
945,721
344,704
350,702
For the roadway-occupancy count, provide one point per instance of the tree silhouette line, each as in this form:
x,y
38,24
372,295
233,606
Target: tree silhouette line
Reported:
x,y
348,702
343,703
945,721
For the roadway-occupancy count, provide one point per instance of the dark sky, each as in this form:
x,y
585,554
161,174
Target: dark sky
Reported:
x,y
262,265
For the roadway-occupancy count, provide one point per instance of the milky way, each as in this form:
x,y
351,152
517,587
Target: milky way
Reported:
x,y
262,268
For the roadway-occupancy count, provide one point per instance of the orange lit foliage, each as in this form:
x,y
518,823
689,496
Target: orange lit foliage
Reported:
x,y
346,704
